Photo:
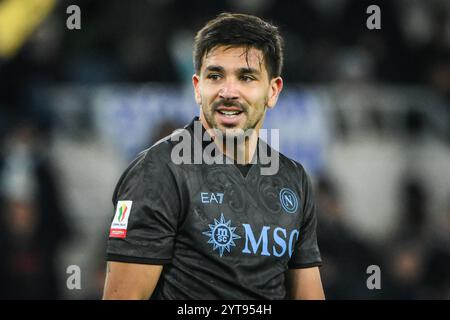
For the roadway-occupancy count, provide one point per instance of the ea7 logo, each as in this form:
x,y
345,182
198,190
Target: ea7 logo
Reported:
x,y
212,197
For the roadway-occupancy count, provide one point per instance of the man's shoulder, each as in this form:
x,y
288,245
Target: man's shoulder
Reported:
x,y
287,163
151,164
161,150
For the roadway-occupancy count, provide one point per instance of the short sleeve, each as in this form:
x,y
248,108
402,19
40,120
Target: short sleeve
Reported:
x,y
306,253
146,205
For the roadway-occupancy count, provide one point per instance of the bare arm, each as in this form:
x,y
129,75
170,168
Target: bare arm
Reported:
x,y
130,281
304,284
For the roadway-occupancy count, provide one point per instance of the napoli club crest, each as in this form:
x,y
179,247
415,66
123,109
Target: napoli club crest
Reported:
x,y
288,200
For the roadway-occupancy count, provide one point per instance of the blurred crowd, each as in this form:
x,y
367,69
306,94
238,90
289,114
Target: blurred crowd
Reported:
x,y
414,263
151,40
327,42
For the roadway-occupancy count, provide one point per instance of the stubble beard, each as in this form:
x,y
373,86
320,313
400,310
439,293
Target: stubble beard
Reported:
x,y
236,132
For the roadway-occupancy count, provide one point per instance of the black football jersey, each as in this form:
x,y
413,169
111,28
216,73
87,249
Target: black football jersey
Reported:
x,y
221,232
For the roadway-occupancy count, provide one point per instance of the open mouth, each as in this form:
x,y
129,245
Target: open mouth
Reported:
x,y
229,113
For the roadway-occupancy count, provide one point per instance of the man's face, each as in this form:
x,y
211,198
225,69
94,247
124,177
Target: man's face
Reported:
x,y
233,89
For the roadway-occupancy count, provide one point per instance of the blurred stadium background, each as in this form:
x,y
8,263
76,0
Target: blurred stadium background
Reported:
x,y
366,111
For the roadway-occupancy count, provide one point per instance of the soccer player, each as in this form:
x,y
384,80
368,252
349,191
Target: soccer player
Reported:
x,y
218,228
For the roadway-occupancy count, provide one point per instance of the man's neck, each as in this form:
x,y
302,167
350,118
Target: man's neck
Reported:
x,y
241,152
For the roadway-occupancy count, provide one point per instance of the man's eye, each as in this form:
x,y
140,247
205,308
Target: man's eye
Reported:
x,y
247,78
214,76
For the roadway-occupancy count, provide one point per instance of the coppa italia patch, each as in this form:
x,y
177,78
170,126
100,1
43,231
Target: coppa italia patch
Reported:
x,y
120,221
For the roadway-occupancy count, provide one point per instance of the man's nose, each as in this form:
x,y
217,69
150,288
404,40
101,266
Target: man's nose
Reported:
x,y
229,91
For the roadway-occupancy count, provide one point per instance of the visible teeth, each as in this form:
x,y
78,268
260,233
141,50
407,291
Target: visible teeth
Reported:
x,y
229,113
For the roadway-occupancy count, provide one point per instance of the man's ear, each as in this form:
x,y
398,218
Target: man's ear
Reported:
x,y
195,83
276,85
